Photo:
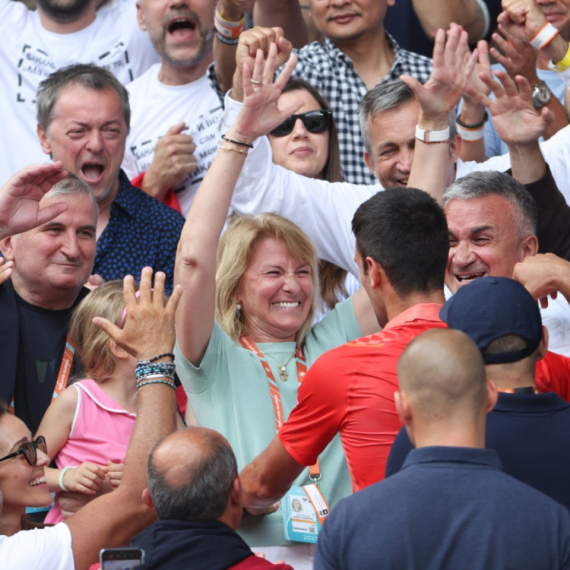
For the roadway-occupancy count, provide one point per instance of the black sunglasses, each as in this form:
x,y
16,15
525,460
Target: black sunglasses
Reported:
x,y
314,121
29,450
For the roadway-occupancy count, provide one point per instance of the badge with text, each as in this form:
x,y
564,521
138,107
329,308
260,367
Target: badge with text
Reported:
x,y
304,511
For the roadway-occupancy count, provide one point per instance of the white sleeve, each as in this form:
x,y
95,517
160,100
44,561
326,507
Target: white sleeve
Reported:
x,y
322,209
41,549
485,11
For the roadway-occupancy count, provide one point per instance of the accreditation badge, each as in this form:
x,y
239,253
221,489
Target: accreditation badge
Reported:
x,y
304,511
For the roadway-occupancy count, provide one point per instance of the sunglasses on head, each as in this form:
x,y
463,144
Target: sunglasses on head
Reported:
x,y
314,121
30,450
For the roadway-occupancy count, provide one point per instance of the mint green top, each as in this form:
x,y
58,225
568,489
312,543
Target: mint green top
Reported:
x,y
229,392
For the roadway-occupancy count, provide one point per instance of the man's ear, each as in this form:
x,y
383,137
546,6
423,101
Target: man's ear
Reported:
x,y
543,346
46,147
455,148
140,18
7,247
369,163
147,499
492,395
403,407
376,272
235,492
529,246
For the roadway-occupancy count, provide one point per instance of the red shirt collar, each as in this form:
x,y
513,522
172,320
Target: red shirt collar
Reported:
x,y
422,311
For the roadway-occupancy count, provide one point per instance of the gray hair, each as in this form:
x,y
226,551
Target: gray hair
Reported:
x,y
385,97
204,494
74,185
492,183
89,76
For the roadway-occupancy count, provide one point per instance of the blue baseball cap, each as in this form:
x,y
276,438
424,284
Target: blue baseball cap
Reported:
x,y
492,307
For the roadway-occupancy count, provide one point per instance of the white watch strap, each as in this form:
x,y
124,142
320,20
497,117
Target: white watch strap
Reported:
x,y
432,136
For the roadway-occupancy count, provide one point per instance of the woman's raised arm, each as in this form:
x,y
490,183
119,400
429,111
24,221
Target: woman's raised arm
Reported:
x,y
195,267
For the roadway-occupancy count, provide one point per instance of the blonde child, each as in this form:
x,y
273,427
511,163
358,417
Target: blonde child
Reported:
x,y
88,427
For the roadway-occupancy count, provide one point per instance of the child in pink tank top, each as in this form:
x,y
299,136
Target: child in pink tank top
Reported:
x,y
88,427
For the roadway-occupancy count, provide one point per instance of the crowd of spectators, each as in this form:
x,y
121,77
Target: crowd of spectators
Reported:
x,y
293,289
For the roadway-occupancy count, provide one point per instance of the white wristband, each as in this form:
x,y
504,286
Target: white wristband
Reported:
x,y
544,36
470,135
62,475
432,136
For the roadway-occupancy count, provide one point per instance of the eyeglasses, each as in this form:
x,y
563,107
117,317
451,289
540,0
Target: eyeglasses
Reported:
x,y
29,450
314,121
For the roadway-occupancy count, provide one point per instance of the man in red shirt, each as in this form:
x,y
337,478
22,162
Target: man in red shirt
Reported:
x,y
401,248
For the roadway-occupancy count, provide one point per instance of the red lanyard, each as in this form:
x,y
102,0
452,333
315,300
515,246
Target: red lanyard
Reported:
x,y
248,344
63,374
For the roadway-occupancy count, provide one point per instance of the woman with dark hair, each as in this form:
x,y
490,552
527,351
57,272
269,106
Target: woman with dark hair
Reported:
x,y
307,143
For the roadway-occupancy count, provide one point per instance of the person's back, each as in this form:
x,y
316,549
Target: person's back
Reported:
x,y
451,506
447,508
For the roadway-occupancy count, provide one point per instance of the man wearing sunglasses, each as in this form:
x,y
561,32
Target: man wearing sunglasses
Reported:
x,y
110,520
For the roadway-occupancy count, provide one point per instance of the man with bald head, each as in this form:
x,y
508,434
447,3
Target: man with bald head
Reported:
x,y
194,487
441,510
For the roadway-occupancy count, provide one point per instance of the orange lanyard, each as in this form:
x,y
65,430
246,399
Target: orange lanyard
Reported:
x,y
274,391
248,344
63,374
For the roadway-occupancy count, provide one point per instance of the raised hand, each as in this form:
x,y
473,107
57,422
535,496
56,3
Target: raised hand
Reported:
x,y
149,328
173,161
522,18
260,112
20,198
516,56
250,42
453,64
514,116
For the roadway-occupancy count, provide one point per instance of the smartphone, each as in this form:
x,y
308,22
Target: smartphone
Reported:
x,y
122,559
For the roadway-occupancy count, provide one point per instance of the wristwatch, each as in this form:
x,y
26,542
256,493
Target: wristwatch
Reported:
x,y
541,95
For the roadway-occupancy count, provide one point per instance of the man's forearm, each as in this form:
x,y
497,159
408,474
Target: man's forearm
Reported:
x,y
527,162
285,14
435,14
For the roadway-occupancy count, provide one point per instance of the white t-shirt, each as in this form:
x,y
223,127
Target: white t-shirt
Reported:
x,y
38,549
324,210
155,109
29,53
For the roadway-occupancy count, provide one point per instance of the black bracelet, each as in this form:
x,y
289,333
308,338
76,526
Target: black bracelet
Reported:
x,y
155,358
227,41
477,126
237,142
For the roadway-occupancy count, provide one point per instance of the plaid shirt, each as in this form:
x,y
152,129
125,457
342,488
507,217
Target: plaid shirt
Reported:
x,y
330,71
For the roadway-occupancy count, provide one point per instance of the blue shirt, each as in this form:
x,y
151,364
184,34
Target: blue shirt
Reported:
x,y
141,232
449,508
530,434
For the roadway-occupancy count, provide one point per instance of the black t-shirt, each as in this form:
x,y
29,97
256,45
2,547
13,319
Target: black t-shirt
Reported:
x,y
42,341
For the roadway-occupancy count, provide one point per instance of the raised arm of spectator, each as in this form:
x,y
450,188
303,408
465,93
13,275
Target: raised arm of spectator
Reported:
x,y
20,197
519,124
438,98
525,19
113,519
471,15
519,58
230,17
287,15
472,117
196,258
544,275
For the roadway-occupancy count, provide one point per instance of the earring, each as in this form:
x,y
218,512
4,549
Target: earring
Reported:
x,y
238,310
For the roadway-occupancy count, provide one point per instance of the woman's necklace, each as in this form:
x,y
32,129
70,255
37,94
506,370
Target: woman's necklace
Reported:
x,y
282,367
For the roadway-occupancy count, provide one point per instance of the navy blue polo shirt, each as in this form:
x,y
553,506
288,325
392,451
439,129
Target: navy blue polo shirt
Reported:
x,y
530,434
448,508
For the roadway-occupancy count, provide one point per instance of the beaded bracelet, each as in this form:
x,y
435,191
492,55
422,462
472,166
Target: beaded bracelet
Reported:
x,y
155,358
62,475
147,382
160,369
474,127
237,142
